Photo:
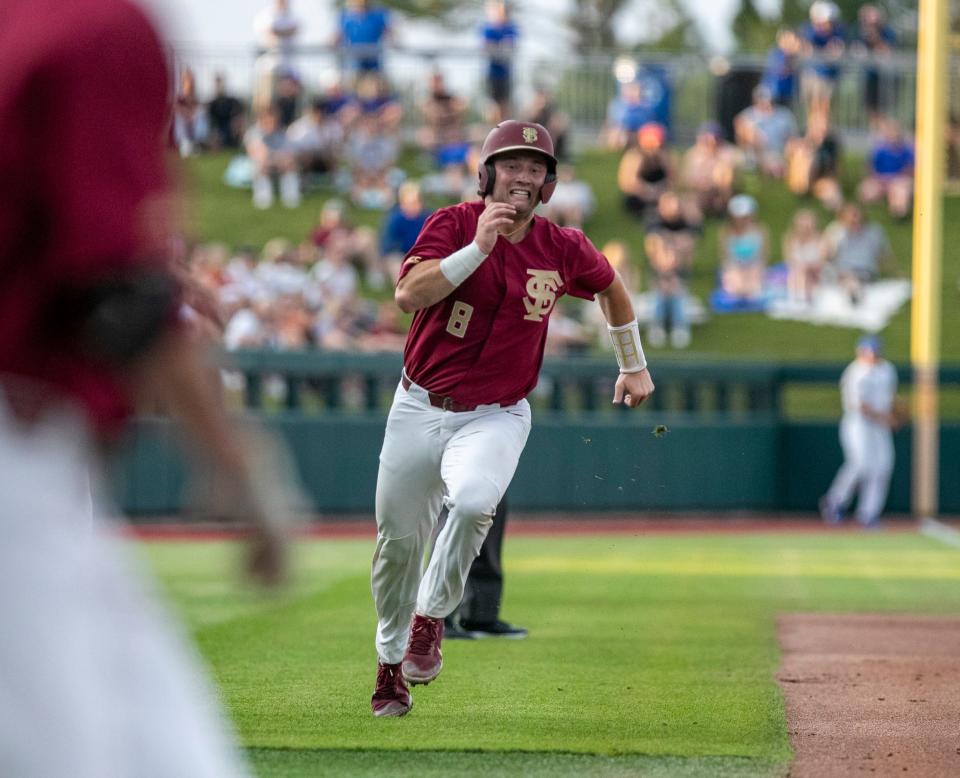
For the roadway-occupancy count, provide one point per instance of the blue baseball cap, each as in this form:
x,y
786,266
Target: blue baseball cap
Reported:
x,y
870,342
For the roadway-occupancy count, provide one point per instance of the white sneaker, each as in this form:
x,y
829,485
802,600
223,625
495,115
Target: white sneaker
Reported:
x,y
680,337
290,189
262,193
656,336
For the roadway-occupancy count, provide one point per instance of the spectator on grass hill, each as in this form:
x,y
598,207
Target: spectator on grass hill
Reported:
x,y
276,28
273,156
780,71
824,42
708,169
401,227
671,237
278,271
862,250
287,99
443,133
743,248
372,154
804,252
338,103
335,235
336,277
876,39
499,41
386,332
813,163
374,98
316,138
762,131
190,124
891,171
637,103
363,29
646,169
225,112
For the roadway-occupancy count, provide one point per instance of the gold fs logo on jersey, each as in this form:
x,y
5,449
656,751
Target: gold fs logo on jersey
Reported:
x,y
530,134
542,288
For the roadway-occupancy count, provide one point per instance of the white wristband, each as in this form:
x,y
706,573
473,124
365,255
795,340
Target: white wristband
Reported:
x,y
459,266
626,345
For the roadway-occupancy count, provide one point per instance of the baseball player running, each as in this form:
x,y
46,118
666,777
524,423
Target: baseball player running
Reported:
x,y
868,387
96,681
481,281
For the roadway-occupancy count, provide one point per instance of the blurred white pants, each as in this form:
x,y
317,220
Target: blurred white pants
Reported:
x,y
867,467
95,681
431,458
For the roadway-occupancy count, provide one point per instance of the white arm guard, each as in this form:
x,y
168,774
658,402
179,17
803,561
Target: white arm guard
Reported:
x,y
626,345
458,267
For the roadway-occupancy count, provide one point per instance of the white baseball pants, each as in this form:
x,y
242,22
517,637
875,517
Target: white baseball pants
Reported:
x,y
431,458
95,681
867,467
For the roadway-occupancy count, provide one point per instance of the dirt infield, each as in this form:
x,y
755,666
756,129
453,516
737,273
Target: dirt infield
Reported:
x,y
871,694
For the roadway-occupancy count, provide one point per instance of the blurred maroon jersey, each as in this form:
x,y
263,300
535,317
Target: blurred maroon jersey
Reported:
x,y
81,176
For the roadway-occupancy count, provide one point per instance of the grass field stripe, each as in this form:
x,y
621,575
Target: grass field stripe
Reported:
x,y
940,531
942,569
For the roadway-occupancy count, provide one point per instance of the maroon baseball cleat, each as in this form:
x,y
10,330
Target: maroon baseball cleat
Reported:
x,y
423,660
391,697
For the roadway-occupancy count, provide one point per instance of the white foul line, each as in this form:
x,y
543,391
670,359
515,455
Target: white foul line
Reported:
x,y
940,531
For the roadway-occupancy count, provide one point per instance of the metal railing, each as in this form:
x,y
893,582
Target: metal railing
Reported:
x,y
583,85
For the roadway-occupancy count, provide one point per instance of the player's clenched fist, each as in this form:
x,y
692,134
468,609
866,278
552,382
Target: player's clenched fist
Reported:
x,y
494,216
633,388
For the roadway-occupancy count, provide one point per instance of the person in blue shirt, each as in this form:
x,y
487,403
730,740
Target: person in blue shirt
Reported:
x,y
402,225
780,71
499,41
875,39
891,171
363,30
824,40
644,100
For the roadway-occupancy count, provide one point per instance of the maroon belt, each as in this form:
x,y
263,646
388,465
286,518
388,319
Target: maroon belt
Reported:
x,y
439,400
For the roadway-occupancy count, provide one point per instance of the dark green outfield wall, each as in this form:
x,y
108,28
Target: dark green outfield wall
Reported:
x,y
582,463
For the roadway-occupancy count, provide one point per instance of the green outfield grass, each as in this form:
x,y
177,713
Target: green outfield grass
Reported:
x,y
647,655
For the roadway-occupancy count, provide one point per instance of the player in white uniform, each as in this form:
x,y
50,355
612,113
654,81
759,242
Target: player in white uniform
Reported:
x,y
868,387
482,280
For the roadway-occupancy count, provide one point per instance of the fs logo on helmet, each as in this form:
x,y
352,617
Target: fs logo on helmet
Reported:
x,y
512,135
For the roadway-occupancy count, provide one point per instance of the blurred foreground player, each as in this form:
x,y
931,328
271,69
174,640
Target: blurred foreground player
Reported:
x,y
481,280
868,387
96,682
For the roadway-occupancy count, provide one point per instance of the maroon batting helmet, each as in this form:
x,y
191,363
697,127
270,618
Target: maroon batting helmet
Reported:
x,y
512,135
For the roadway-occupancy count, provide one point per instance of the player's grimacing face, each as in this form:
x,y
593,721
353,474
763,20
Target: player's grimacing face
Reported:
x,y
519,180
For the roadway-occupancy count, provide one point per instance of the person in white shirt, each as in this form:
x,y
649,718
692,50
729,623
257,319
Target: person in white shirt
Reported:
x,y
276,28
868,387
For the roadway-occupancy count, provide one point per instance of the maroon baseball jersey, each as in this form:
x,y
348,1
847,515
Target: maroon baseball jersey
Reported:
x,y
83,109
484,342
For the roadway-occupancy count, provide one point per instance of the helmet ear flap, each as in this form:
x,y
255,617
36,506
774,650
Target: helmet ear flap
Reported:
x,y
488,176
549,184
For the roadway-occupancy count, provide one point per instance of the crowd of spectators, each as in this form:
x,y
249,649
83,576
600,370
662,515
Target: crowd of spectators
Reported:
x,y
345,138
674,192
